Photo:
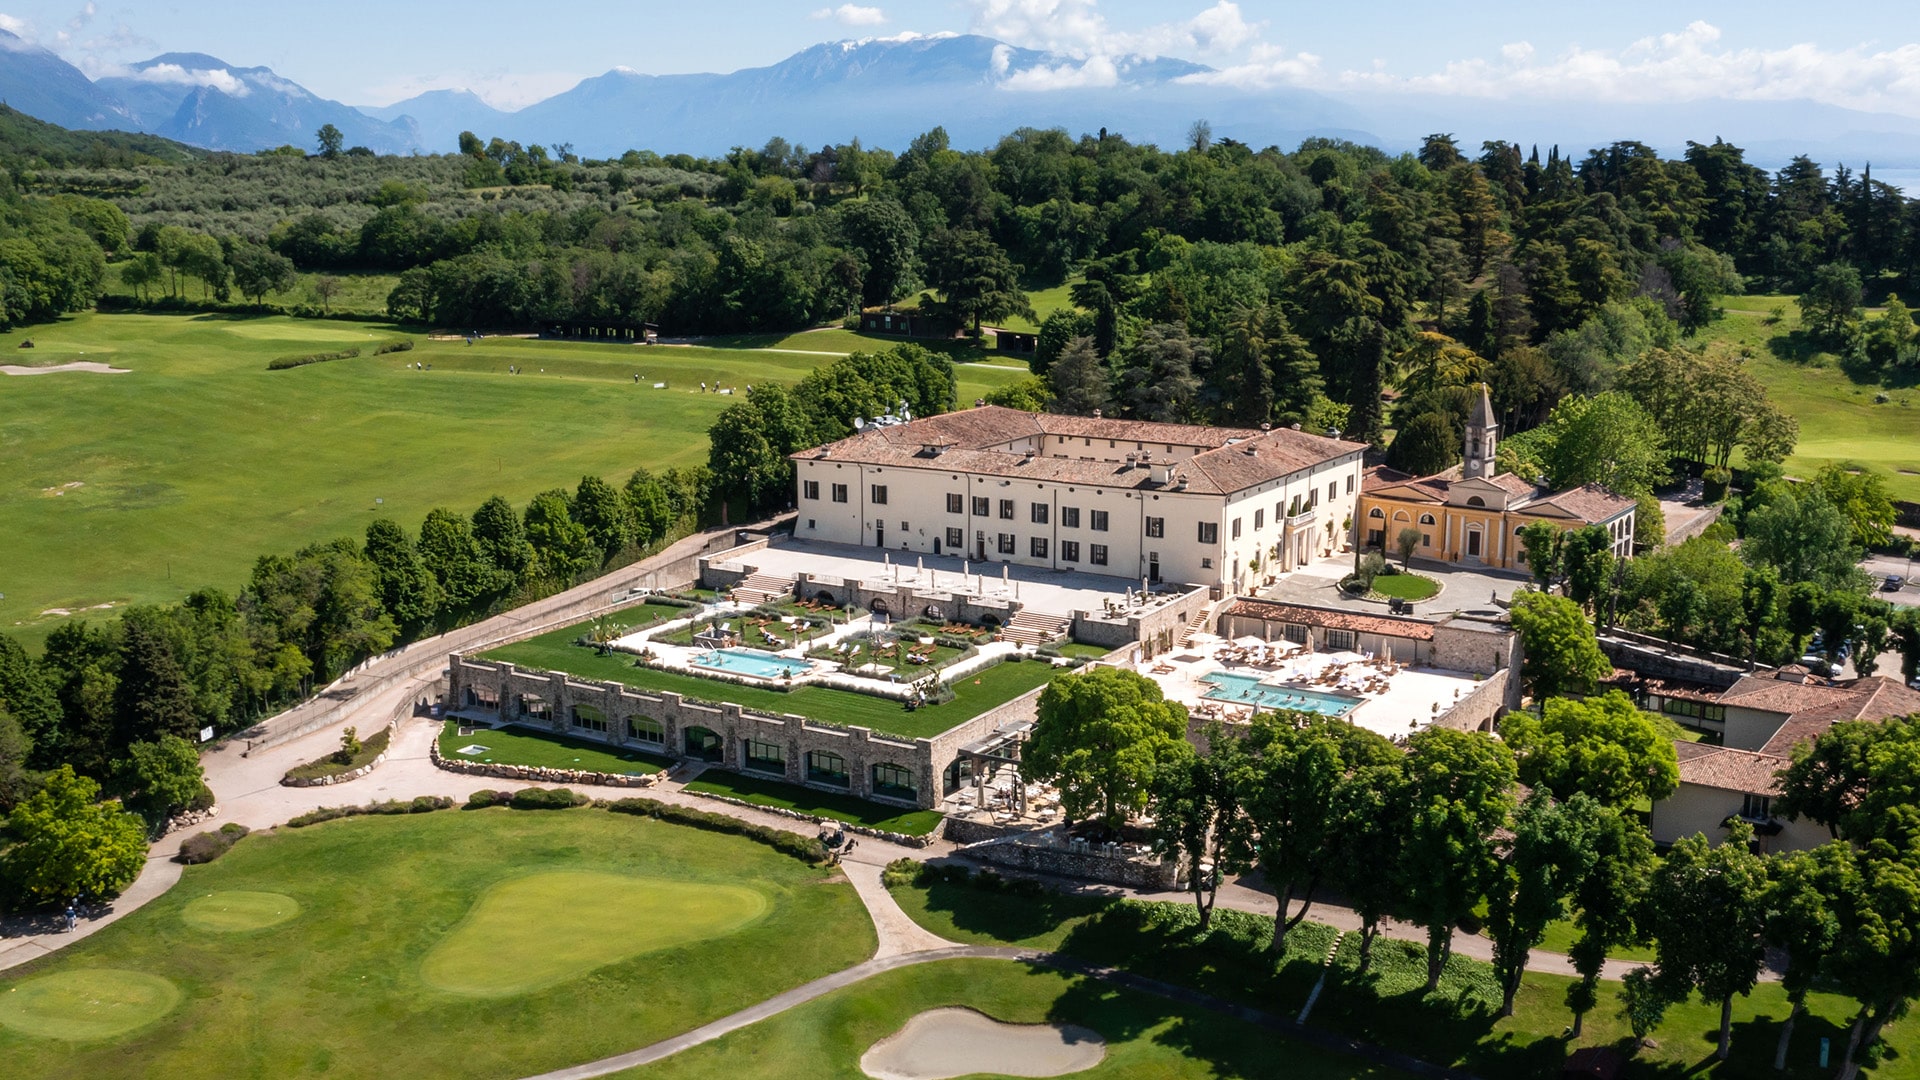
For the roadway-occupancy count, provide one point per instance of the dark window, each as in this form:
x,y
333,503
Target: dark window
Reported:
x,y
1097,554
879,494
1206,562
1097,520
1069,517
1349,485
1006,543
1006,509
1038,512
588,718
810,489
839,493
980,506
893,781
1295,632
1037,546
1209,531
647,731
1156,526
1332,490
1339,640
1259,519
1236,528
1069,551
765,757
825,767
1756,807
956,539
955,504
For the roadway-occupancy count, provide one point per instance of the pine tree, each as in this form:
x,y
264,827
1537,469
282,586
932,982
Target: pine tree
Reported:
x,y
1079,380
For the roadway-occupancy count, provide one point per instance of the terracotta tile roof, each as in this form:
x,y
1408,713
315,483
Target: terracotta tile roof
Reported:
x,y
1810,708
1590,503
1728,770
978,440
1329,619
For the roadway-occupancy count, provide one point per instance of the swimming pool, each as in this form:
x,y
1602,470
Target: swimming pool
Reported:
x,y
1247,690
751,662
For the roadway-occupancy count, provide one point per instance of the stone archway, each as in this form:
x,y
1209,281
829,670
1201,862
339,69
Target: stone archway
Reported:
x,y
705,744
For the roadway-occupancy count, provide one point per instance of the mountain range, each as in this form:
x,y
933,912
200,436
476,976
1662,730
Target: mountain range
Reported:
x,y
886,91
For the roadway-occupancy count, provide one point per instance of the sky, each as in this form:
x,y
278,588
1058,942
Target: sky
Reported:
x,y
374,52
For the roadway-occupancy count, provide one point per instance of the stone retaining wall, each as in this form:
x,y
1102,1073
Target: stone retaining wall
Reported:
x,y
187,819
1133,873
968,831
535,772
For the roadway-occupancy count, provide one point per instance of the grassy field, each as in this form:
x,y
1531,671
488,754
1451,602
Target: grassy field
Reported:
x,y
1839,420
142,487
455,944
973,694
1405,586
1456,1026
825,804
356,294
524,746
1146,1037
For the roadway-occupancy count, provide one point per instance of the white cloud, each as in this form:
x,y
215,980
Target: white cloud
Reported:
x,y
174,75
1077,28
15,25
1093,71
852,15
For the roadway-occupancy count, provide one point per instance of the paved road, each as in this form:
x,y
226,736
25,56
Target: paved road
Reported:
x,y
1882,565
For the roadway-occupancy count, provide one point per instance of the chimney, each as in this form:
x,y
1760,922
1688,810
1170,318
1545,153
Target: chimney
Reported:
x,y
1096,414
1163,472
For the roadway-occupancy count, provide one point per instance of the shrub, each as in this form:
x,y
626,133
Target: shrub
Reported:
x,y
419,805
559,798
805,848
901,872
208,846
486,797
285,362
386,347
1713,484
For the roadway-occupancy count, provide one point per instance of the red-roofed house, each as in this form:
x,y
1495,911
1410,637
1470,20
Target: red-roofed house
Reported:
x,y
1471,514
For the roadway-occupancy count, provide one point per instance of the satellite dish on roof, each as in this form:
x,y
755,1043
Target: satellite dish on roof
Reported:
x,y
859,423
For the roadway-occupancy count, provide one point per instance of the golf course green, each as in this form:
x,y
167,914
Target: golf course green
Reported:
x,y
483,943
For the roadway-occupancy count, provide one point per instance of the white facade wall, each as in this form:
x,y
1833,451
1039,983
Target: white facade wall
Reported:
x,y
918,516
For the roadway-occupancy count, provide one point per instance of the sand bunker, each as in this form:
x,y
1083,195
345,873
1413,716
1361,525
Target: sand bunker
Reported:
x,y
78,365
942,1043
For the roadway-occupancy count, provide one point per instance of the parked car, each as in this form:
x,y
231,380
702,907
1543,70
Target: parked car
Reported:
x,y
1894,583
1819,665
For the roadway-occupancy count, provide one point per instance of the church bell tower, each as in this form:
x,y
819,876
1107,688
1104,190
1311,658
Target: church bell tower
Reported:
x,y
1482,434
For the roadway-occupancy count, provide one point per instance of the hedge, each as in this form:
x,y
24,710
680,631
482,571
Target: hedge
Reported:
x,y
386,347
807,849
419,805
534,798
284,362
208,846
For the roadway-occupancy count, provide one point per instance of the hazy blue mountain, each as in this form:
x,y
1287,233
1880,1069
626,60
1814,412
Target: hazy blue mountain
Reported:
x,y
40,84
887,91
205,101
441,115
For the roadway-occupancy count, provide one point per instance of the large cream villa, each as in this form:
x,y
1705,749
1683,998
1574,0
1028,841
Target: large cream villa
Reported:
x,y
1220,507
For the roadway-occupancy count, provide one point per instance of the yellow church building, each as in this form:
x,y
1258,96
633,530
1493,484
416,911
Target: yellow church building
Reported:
x,y
1471,515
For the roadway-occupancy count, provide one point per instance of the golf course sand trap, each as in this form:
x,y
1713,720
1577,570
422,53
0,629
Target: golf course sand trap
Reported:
x,y
940,1043
543,929
80,1005
78,365
238,911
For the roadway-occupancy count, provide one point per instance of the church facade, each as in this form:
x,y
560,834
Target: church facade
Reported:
x,y
1472,515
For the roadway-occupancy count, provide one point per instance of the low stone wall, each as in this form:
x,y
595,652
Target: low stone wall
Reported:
x,y
860,830
1478,710
187,819
350,774
1654,661
535,772
968,831
1133,873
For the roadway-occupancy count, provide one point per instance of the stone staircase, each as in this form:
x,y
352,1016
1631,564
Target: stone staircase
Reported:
x,y
1030,627
1203,617
763,589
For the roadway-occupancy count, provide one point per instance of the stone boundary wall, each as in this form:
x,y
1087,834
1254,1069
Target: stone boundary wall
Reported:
x,y
1695,527
1157,631
1651,662
878,834
1478,710
351,774
967,831
1133,873
536,772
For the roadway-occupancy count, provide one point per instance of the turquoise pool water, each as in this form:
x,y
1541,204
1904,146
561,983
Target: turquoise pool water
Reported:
x,y
753,662
1247,690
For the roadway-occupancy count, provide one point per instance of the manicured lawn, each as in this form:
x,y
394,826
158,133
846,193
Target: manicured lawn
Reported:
x,y
1455,1026
1081,649
526,746
1146,1037
894,657
1838,418
763,792
370,747
1405,586
974,694
394,910
201,460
